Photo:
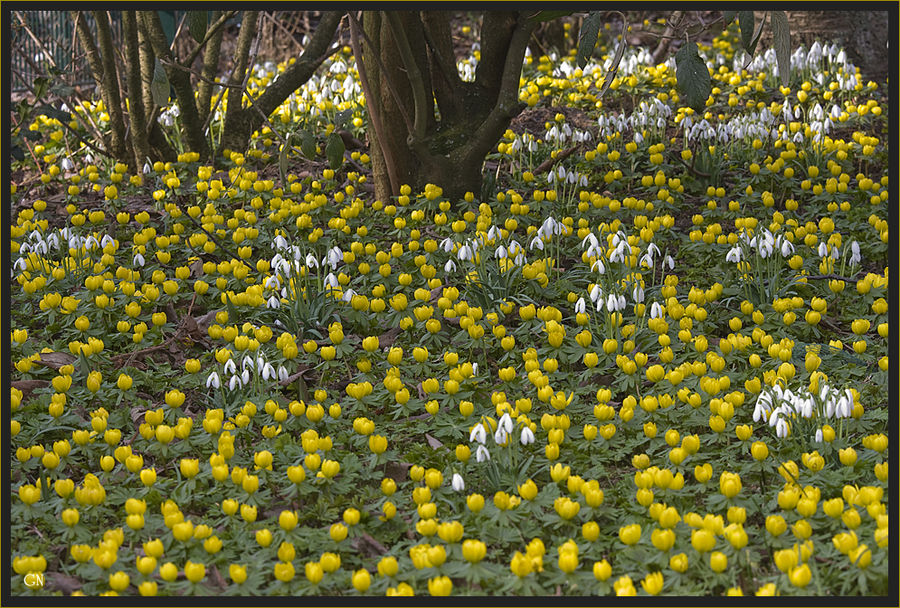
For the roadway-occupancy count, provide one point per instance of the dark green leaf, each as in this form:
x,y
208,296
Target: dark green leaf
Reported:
x,y
159,86
197,23
746,21
617,59
167,20
549,15
693,76
758,33
62,90
51,112
307,144
31,135
728,17
17,152
342,117
587,37
40,86
334,150
781,42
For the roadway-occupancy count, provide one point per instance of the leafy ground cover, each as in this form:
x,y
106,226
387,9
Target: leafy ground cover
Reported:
x,y
649,358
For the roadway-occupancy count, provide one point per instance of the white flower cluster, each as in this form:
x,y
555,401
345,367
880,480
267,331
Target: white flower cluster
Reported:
x,y
505,427
241,378
777,406
167,117
765,243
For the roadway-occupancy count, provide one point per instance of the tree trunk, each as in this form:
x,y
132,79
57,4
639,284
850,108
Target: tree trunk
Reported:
x,y
241,122
136,111
180,80
210,69
406,65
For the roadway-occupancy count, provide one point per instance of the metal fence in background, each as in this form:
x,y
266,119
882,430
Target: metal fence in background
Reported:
x,y
44,43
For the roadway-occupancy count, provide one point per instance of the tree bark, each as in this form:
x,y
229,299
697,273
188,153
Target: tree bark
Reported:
x,y
136,111
409,65
241,122
210,69
181,82
111,85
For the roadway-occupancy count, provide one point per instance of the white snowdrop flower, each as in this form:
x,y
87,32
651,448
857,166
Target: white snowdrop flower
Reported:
x,y
583,181
475,369
53,241
67,164
331,280
612,303
447,245
506,422
670,262
638,138
537,242
212,380
781,428
282,373
598,265
787,248
268,371
335,256
450,266
311,261
272,282
823,249
621,302
493,232
464,253
818,437
501,253
580,306
637,294
477,434
844,407
245,376
595,293
138,260
482,454
235,382
230,367
248,363
20,263
457,483
854,253
527,436
656,311
280,242
348,295
500,436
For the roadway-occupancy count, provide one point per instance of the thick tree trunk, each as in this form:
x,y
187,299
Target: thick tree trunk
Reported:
x,y
180,80
136,111
210,69
408,64
241,122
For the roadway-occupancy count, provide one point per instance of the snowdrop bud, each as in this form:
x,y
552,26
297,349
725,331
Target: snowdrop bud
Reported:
x,y
245,376
818,438
474,369
612,303
457,483
637,294
282,374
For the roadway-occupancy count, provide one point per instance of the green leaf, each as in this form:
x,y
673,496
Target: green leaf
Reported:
x,y
51,112
40,86
587,37
693,76
342,117
728,17
334,150
617,59
746,21
167,20
159,86
781,42
307,143
197,22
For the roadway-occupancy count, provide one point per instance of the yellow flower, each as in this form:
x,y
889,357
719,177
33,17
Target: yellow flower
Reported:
x,y
653,583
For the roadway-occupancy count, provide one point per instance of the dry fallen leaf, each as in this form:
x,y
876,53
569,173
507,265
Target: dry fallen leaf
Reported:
x,y
56,360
